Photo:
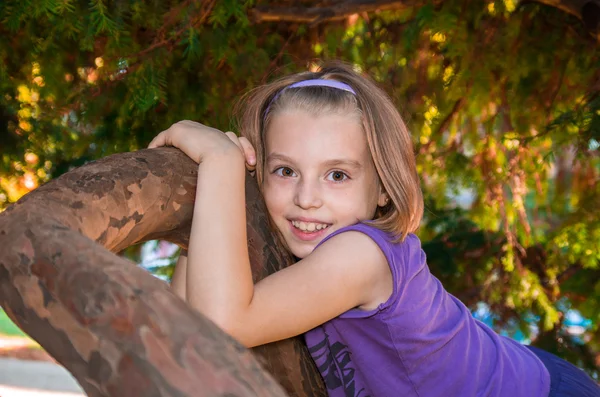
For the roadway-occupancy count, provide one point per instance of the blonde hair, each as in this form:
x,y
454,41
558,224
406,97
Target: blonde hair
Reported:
x,y
388,138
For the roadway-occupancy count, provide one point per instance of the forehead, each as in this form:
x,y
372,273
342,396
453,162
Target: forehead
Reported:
x,y
302,135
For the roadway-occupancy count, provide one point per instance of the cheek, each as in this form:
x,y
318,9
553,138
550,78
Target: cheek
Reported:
x,y
361,202
274,196
345,204
371,199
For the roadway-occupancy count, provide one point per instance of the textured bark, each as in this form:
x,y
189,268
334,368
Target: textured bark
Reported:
x,y
116,328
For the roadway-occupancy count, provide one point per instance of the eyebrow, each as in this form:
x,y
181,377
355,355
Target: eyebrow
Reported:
x,y
329,163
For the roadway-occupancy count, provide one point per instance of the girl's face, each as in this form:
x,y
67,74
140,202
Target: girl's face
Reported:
x,y
318,177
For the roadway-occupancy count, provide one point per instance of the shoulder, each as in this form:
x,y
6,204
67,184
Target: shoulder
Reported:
x,y
363,241
363,254
358,242
379,236
366,234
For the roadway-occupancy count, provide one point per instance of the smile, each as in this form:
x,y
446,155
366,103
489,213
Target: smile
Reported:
x,y
308,231
309,226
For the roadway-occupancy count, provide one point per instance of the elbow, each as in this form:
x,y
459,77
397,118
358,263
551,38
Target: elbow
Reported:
x,y
230,318
233,326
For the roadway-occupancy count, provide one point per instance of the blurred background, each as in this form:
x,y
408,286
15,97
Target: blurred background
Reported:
x,y
502,98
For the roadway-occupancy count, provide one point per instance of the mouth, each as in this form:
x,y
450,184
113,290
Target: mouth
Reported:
x,y
307,231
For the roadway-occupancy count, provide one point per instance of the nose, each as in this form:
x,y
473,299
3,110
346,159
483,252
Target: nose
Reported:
x,y
308,194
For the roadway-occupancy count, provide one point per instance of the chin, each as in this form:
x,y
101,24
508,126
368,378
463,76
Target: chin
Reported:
x,y
301,252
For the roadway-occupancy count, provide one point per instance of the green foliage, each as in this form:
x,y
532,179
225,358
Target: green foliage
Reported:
x,y
7,327
502,98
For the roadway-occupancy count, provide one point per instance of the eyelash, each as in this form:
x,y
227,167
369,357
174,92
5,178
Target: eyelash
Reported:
x,y
346,177
278,172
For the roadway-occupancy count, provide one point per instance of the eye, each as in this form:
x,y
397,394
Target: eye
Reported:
x,y
337,176
286,172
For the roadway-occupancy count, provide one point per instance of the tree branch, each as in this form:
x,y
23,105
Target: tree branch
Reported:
x,y
161,39
336,12
588,11
458,105
117,329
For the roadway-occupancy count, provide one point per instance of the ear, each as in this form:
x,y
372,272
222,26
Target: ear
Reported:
x,y
383,199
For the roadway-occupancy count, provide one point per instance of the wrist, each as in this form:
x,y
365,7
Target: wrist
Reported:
x,y
228,160
224,156
222,176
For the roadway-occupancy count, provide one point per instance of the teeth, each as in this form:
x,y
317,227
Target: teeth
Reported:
x,y
309,226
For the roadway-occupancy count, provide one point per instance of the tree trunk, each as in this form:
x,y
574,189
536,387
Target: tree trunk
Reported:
x,y
116,328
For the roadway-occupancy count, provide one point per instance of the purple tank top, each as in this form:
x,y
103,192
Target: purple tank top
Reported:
x,y
421,342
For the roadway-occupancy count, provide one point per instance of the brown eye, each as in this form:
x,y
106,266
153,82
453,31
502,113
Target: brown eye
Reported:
x,y
338,176
285,172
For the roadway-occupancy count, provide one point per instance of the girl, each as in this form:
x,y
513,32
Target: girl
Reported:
x,y
335,163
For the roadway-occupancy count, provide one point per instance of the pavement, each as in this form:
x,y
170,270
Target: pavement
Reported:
x,y
32,378
24,378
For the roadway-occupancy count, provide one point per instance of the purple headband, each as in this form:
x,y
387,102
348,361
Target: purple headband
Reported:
x,y
312,83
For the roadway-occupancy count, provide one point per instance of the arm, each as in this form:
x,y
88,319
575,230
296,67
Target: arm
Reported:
x,y
217,251
219,279
179,276
348,271
283,305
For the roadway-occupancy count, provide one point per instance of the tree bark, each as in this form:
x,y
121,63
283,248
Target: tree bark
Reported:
x,y
116,328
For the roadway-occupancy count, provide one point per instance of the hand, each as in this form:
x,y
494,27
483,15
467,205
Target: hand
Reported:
x,y
198,141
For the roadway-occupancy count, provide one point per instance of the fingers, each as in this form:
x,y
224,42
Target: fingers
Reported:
x,y
169,136
249,152
158,141
234,139
172,137
246,148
